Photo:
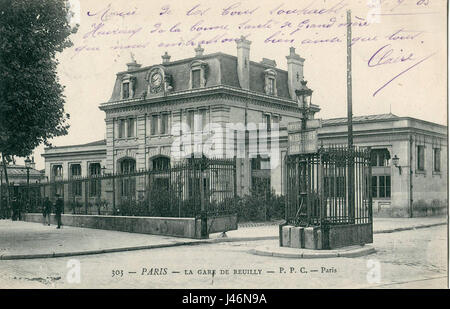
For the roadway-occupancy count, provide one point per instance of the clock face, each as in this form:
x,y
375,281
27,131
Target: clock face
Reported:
x,y
156,80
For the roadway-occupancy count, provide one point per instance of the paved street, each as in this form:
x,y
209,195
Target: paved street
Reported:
x,y
26,238
414,258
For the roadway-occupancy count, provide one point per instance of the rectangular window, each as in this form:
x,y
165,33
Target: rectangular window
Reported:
x,y
75,174
381,186
374,186
195,79
388,186
131,127
421,158
271,86
266,119
199,119
121,128
437,159
190,120
154,125
204,114
125,90
165,124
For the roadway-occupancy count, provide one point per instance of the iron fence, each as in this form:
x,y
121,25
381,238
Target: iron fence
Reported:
x,y
330,187
189,188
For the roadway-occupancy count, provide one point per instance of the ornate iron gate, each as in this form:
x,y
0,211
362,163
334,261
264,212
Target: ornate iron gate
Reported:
x,y
320,191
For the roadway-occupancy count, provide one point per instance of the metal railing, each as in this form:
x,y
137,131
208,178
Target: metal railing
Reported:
x,y
189,188
320,190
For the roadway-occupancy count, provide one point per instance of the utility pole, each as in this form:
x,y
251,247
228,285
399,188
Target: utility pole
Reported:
x,y
351,183
349,80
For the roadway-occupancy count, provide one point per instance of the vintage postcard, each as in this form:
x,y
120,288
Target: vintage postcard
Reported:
x,y
234,144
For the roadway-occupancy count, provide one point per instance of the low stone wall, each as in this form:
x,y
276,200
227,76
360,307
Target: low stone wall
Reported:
x,y
179,227
348,235
333,237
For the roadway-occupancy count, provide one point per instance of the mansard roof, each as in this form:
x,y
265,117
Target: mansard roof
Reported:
x,y
222,70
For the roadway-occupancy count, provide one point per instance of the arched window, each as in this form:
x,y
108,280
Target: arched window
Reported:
x,y
127,184
57,171
57,174
160,163
95,169
94,186
127,166
75,173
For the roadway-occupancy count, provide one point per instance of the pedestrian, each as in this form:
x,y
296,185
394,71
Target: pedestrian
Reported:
x,y
47,210
15,208
59,205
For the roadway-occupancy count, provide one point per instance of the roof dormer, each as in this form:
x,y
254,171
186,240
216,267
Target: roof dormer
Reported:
x,y
270,81
128,86
198,74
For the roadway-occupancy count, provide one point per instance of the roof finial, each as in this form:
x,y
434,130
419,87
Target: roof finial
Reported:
x,y
165,57
199,51
133,65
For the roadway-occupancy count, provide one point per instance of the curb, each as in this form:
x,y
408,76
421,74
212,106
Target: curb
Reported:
x,y
320,254
92,252
125,249
199,242
401,229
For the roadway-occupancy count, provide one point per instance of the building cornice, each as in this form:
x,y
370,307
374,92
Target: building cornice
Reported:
x,y
74,153
388,131
386,120
201,92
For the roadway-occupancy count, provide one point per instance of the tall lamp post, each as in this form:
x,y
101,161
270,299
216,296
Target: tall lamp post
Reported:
x,y
304,95
27,166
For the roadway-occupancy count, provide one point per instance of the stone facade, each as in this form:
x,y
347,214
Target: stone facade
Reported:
x,y
195,98
154,110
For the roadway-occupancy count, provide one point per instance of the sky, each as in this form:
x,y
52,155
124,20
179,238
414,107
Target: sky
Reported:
x,y
399,51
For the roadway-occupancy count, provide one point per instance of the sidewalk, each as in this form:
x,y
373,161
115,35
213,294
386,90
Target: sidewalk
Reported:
x,y
380,225
21,240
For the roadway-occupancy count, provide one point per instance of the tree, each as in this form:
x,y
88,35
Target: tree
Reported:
x,y
31,98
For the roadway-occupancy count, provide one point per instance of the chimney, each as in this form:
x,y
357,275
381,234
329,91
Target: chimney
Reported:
x,y
165,58
243,62
133,65
199,51
295,72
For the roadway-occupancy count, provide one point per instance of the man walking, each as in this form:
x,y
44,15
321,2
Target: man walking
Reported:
x,y
47,210
59,205
15,208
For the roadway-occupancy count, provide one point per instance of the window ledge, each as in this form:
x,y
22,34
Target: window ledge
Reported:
x,y
438,173
418,172
126,138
